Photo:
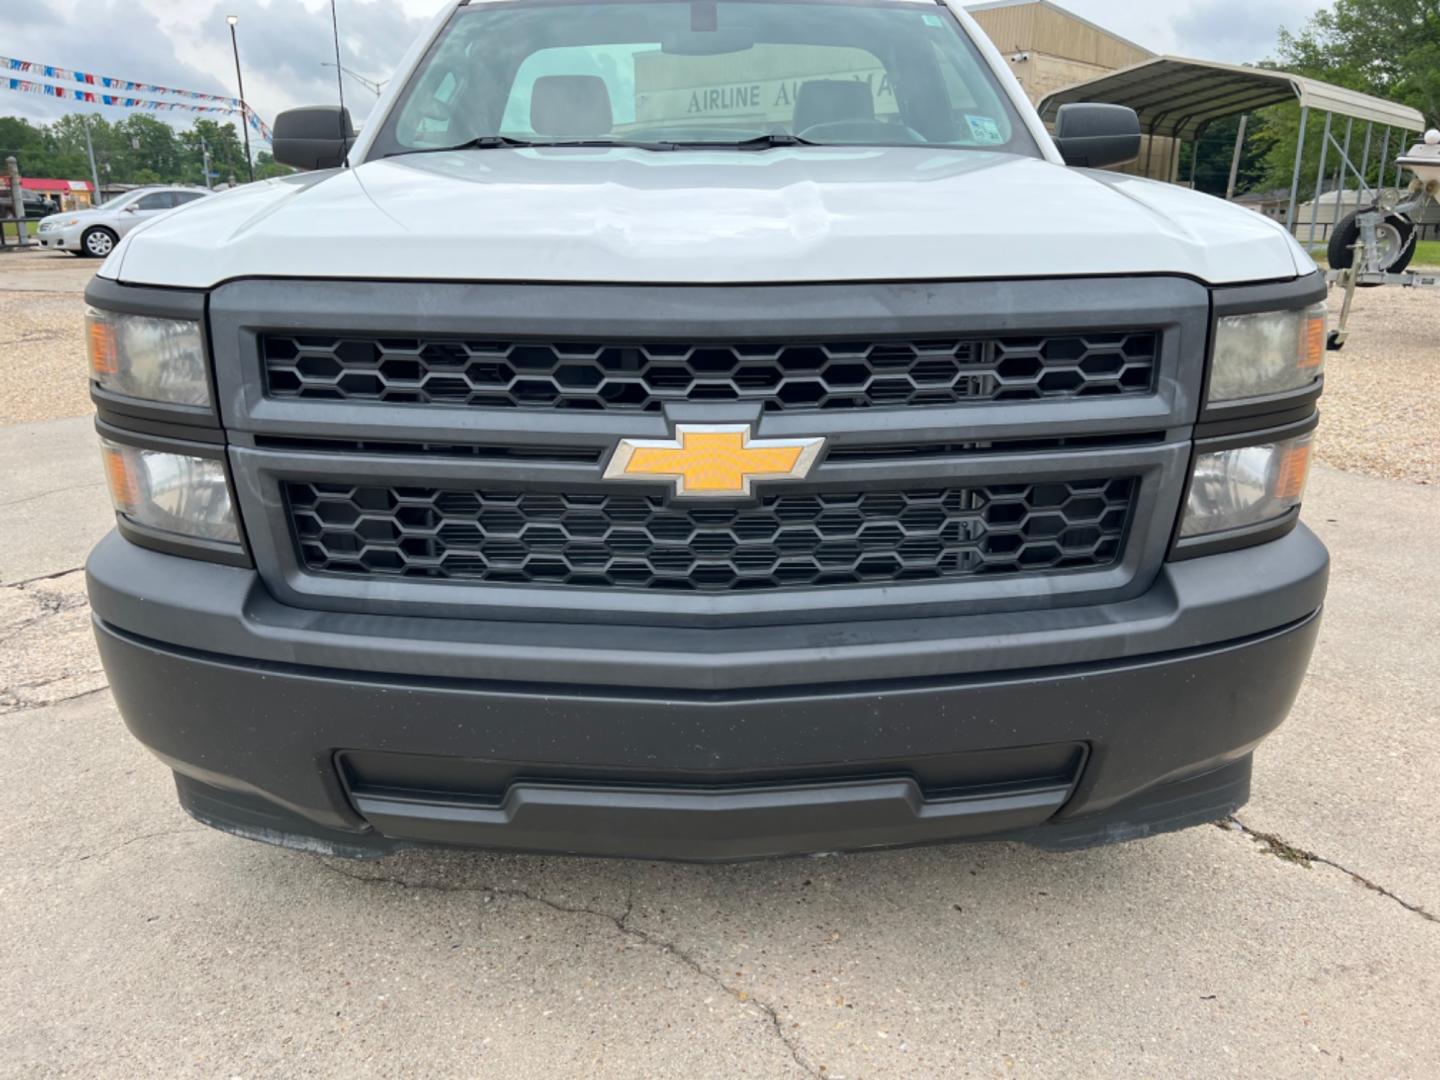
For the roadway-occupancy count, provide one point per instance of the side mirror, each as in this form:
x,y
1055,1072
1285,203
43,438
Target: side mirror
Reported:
x,y
133,208
315,138
1096,136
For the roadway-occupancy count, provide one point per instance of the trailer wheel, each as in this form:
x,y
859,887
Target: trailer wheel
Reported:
x,y
1396,236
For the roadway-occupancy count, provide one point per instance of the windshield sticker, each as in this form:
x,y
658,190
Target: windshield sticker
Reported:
x,y
984,130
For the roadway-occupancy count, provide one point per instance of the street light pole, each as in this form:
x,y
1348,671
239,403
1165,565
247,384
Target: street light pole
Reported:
x,y
376,88
244,109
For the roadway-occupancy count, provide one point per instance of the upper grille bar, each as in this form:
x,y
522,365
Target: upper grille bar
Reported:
x,y
644,377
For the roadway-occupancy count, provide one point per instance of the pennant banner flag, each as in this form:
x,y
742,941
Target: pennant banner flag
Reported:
x,y
30,86
49,71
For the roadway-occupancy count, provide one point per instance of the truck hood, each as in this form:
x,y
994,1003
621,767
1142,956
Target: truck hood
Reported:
x,y
782,215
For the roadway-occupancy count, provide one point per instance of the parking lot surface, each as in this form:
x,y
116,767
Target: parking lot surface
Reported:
x,y
1302,939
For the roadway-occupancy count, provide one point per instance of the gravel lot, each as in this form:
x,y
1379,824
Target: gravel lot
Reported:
x,y
1381,408
1302,939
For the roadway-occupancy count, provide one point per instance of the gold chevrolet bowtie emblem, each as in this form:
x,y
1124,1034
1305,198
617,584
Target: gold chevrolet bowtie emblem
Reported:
x,y
713,460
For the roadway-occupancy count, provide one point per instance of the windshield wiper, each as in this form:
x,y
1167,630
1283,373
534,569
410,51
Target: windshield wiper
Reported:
x,y
484,142
506,142
766,141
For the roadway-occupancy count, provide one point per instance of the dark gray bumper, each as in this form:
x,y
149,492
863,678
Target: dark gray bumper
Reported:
x,y
359,733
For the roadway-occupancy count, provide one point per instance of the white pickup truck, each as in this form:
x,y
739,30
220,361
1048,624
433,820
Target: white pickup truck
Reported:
x,y
706,429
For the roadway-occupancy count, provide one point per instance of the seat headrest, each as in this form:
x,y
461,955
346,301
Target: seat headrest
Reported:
x,y
571,106
822,101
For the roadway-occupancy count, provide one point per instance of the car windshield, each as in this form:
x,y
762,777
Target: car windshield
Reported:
x,y
703,73
117,201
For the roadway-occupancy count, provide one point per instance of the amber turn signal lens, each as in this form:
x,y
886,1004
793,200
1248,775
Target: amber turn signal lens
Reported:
x,y
100,341
1293,468
124,489
1312,346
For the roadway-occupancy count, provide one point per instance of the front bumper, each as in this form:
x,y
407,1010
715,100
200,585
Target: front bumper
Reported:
x,y
358,734
59,239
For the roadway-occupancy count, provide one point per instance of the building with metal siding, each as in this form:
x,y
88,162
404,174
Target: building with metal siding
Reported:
x,y
1049,48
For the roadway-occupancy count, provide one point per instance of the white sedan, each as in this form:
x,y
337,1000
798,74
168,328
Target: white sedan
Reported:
x,y
95,232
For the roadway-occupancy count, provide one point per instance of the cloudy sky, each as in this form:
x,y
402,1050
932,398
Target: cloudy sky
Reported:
x,y
283,42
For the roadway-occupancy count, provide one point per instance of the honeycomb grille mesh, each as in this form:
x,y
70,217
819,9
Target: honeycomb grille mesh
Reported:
x,y
643,377
645,542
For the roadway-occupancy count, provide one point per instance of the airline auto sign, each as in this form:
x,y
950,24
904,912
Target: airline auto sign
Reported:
x,y
772,99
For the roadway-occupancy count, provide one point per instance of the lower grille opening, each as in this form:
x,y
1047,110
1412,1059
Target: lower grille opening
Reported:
x,y
434,779
791,541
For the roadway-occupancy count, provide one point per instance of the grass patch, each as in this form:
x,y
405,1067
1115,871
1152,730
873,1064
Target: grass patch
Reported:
x,y
1427,253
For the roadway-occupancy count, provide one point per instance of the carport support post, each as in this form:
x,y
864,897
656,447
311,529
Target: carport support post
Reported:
x,y
1344,164
1365,159
1234,157
1319,180
1295,177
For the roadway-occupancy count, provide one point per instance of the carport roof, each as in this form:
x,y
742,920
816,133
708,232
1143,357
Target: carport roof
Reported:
x,y
1177,97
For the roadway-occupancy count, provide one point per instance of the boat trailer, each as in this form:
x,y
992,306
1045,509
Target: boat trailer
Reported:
x,y
1375,243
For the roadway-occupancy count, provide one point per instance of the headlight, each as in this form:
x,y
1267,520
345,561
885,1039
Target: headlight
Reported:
x,y
1267,353
146,358
1248,485
176,493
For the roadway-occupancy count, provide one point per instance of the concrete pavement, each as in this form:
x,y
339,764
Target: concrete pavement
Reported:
x,y
140,943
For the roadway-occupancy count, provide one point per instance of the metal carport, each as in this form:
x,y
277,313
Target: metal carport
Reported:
x,y
1176,97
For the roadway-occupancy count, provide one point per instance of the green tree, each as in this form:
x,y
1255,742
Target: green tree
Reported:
x,y
137,149
153,148
267,168
1388,48
26,143
227,153
1213,150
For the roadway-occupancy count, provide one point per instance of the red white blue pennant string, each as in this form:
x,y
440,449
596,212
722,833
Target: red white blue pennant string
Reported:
x,y
60,74
30,86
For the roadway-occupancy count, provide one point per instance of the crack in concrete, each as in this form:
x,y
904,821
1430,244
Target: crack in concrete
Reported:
x,y
12,703
41,577
57,491
621,923
1283,849
49,604
35,337
137,839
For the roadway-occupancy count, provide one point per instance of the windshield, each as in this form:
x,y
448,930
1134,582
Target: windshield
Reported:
x,y
117,201
704,73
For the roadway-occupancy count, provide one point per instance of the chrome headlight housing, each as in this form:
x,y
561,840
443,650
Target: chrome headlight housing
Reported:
x,y
149,359
1269,352
181,494
1246,485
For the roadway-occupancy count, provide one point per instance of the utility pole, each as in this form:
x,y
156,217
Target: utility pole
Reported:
x,y
17,201
244,109
205,160
94,172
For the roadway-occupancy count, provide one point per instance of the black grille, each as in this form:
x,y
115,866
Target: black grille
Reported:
x,y
643,377
646,542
